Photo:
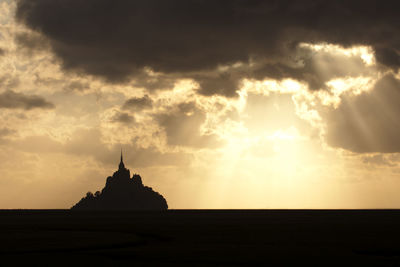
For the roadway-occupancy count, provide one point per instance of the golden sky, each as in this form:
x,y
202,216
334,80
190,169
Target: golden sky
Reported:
x,y
325,136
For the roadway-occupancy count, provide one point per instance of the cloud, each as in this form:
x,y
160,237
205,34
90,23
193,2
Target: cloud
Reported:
x,y
269,113
9,81
123,117
388,56
368,122
183,127
193,39
221,83
151,81
316,68
138,103
88,143
13,100
77,86
5,132
381,160
29,42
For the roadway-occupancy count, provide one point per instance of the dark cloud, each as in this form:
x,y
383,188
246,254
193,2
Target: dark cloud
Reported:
x,y
221,83
123,117
183,127
368,122
29,42
77,86
151,82
5,131
191,39
13,100
138,103
387,56
381,160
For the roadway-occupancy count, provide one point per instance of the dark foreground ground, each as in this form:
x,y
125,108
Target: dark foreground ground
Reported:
x,y
200,237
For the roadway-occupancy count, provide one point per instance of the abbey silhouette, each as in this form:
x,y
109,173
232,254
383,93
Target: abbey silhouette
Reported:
x,y
123,193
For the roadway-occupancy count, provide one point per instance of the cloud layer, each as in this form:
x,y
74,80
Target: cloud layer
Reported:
x,y
193,39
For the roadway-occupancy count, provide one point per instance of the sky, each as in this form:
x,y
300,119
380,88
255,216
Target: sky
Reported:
x,y
216,104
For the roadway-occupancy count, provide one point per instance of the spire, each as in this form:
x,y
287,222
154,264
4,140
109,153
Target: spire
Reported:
x,y
121,164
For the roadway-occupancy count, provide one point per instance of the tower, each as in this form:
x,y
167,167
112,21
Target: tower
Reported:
x,y
121,164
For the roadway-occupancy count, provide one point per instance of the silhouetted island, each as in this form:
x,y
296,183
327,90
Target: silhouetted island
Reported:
x,y
123,193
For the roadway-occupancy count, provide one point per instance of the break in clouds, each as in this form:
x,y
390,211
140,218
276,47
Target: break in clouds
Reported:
x,y
216,43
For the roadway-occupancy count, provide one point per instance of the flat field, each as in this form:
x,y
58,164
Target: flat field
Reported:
x,y
200,238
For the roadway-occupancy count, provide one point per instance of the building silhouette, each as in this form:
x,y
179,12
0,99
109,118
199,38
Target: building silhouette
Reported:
x,y
123,192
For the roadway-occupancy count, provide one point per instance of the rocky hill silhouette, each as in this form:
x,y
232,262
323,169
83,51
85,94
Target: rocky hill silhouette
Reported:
x,y
123,193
